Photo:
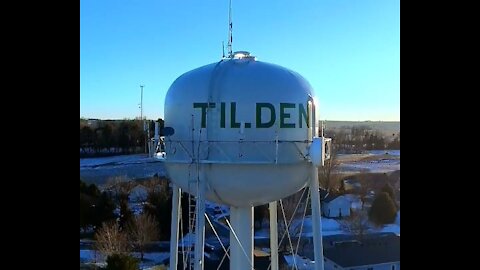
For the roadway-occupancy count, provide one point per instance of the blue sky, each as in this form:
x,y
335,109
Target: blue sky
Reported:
x,y
349,50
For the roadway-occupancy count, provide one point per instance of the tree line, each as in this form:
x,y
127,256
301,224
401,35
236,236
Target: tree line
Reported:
x,y
359,138
107,137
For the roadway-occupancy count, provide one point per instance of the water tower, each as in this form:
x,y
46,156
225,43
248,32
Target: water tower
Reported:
x,y
241,132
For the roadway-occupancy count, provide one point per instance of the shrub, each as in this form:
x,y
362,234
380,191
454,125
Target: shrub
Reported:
x,y
121,262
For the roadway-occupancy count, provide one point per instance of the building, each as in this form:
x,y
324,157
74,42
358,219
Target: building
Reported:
x,y
336,206
374,252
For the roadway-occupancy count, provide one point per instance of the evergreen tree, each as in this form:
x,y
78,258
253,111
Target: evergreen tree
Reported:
x,y
121,262
95,207
126,214
383,210
104,210
389,189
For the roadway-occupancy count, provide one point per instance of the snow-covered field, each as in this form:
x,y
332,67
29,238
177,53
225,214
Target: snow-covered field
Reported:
x,y
99,170
374,166
123,159
385,152
374,161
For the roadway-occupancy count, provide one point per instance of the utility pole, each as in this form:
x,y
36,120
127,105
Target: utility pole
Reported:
x,y
141,115
141,102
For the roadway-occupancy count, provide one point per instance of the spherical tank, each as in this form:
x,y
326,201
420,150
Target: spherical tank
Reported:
x,y
244,127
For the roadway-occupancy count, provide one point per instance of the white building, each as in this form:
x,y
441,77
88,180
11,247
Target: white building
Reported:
x,y
334,206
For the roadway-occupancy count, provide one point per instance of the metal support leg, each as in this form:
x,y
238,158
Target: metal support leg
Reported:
x,y
176,197
316,219
273,235
241,219
200,226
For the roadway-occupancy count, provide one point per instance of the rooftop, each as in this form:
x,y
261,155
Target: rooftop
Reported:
x,y
385,248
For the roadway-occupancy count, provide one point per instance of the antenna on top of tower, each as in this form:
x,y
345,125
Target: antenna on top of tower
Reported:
x,y
230,26
223,50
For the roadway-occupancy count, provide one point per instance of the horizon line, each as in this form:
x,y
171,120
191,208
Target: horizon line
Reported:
x,y
135,118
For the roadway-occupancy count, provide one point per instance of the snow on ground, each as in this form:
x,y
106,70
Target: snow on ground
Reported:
x,y
264,233
122,159
154,258
374,161
329,227
187,241
328,224
302,263
87,255
99,170
394,228
374,166
385,152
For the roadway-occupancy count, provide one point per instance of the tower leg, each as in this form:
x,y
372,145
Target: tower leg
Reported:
x,y
316,219
176,197
241,219
200,226
272,207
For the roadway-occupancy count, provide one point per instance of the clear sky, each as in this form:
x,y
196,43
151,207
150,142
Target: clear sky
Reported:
x,y
349,50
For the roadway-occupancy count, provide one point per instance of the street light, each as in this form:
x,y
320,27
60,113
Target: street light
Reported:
x,y
141,116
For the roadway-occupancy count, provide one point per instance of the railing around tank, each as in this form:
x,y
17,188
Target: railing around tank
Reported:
x,y
239,152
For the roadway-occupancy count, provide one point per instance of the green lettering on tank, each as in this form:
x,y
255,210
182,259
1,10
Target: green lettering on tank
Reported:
x,y
303,114
268,124
203,106
284,115
233,108
222,115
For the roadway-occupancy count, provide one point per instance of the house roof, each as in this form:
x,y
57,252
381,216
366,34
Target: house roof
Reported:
x,y
382,249
330,197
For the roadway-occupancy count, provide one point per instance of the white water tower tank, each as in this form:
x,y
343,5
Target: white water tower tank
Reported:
x,y
242,125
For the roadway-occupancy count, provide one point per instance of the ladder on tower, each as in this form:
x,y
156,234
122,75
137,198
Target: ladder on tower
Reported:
x,y
192,216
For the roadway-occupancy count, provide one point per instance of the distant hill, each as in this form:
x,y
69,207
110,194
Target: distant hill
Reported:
x,y
386,127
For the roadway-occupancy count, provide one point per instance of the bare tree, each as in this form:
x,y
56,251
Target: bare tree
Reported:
x,y
111,239
156,184
357,223
366,185
143,230
120,186
326,177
